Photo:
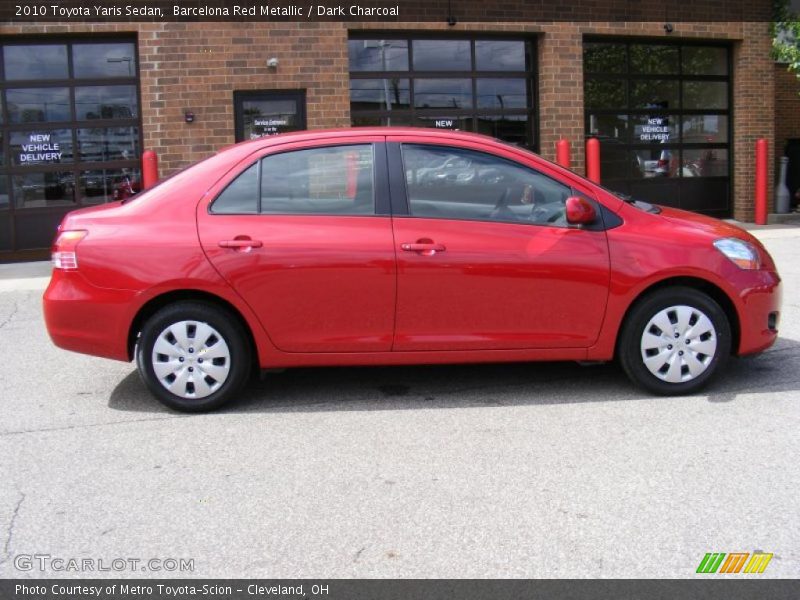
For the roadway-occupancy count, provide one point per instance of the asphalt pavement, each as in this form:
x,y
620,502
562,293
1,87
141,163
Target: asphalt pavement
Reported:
x,y
521,470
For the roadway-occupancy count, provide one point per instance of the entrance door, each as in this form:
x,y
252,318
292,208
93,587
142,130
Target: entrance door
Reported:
x,y
265,112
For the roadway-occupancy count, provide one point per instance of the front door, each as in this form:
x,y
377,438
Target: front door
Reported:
x,y
268,112
487,261
300,234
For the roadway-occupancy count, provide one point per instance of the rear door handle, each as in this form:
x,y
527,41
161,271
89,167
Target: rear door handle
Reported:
x,y
424,248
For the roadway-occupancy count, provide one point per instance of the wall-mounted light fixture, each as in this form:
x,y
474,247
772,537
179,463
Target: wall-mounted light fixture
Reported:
x,y
272,63
188,116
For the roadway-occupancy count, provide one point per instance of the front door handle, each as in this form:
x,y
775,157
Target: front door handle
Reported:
x,y
423,248
241,244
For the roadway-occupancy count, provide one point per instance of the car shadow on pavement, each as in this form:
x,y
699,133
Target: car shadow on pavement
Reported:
x,y
470,386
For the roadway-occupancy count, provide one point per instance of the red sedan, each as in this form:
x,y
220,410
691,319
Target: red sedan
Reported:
x,y
400,246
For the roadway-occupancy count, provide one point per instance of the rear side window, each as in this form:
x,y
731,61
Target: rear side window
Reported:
x,y
319,181
241,195
334,180
453,183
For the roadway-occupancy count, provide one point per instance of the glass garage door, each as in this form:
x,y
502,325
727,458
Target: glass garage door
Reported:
x,y
471,84
662,115
69,133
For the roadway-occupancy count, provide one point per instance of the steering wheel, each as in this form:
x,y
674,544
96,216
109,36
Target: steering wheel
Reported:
x,y
501,211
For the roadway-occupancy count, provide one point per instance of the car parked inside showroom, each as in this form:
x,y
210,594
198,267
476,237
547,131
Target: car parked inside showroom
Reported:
x,y
345,247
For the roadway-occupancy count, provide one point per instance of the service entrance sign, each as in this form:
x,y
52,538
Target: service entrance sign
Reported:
x,y
264,112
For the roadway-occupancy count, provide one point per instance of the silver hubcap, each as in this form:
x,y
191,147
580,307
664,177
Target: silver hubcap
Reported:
x,y
678,344
191,359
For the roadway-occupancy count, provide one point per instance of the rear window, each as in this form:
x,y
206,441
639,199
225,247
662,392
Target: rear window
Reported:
x,y
333,180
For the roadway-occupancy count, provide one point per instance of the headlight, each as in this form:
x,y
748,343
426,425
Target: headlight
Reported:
x,y
742,254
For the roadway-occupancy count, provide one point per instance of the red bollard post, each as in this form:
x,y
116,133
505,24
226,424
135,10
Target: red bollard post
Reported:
x,y
562,153
761,182
351,161
149,169
593,159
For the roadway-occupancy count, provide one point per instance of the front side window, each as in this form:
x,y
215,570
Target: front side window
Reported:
x,y
317,181
451,183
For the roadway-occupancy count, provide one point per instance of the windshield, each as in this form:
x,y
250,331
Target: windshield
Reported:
x,y
635,202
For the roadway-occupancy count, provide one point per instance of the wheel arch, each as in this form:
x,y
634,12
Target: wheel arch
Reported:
x,y
702,285
155,304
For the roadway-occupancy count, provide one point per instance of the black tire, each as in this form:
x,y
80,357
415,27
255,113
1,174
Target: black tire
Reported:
x,y
633,348
226,327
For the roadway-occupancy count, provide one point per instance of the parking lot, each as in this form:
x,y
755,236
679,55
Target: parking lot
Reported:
x,y
520,470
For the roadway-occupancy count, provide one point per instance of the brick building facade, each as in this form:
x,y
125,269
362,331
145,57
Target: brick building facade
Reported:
x,y
197,67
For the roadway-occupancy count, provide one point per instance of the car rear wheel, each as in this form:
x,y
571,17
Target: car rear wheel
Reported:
x,y
675,341
193,356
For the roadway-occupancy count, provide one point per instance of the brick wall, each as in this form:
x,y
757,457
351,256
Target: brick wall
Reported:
x,y
197,66
561,91
754,110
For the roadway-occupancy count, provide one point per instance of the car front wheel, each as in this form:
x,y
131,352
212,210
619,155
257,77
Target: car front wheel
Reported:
x,y
193,356
675,341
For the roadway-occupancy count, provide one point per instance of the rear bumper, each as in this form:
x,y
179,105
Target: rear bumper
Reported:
x,y
759,312
85,318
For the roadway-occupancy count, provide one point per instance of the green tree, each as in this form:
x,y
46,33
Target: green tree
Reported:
x,y
786,36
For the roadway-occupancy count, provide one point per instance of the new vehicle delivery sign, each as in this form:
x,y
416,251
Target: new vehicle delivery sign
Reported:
x,y
40,147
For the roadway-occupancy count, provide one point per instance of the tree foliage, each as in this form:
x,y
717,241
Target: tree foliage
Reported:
x,y
786,36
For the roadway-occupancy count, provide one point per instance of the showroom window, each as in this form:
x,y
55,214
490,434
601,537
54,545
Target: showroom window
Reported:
x,y
472,84
662,114
70,131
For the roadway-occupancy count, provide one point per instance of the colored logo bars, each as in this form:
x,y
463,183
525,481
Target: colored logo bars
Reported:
x,y
714,562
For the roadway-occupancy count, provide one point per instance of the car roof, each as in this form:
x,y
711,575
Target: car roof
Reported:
x,y
316,134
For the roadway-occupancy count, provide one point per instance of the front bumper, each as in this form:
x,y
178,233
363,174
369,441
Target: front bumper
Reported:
x,y
759,309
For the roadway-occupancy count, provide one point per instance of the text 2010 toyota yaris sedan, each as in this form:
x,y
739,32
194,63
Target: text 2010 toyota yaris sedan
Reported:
x,y
400,246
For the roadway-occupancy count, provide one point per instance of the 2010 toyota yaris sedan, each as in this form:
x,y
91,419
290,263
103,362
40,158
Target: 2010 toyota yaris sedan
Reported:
x,y
389,246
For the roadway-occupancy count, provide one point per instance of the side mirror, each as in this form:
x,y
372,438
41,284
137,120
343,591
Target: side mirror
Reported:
x,y
580,211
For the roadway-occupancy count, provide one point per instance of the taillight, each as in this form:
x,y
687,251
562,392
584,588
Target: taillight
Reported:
x,y
64,255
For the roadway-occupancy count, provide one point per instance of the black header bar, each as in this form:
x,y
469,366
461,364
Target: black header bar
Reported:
x,y
384,11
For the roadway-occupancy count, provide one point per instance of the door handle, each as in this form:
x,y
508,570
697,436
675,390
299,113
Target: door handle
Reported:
x,y
424,248
241,243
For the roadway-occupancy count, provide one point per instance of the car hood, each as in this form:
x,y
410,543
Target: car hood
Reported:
x,y
700,223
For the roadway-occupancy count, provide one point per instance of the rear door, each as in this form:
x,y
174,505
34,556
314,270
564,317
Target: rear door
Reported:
x,y
303,234
486,259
